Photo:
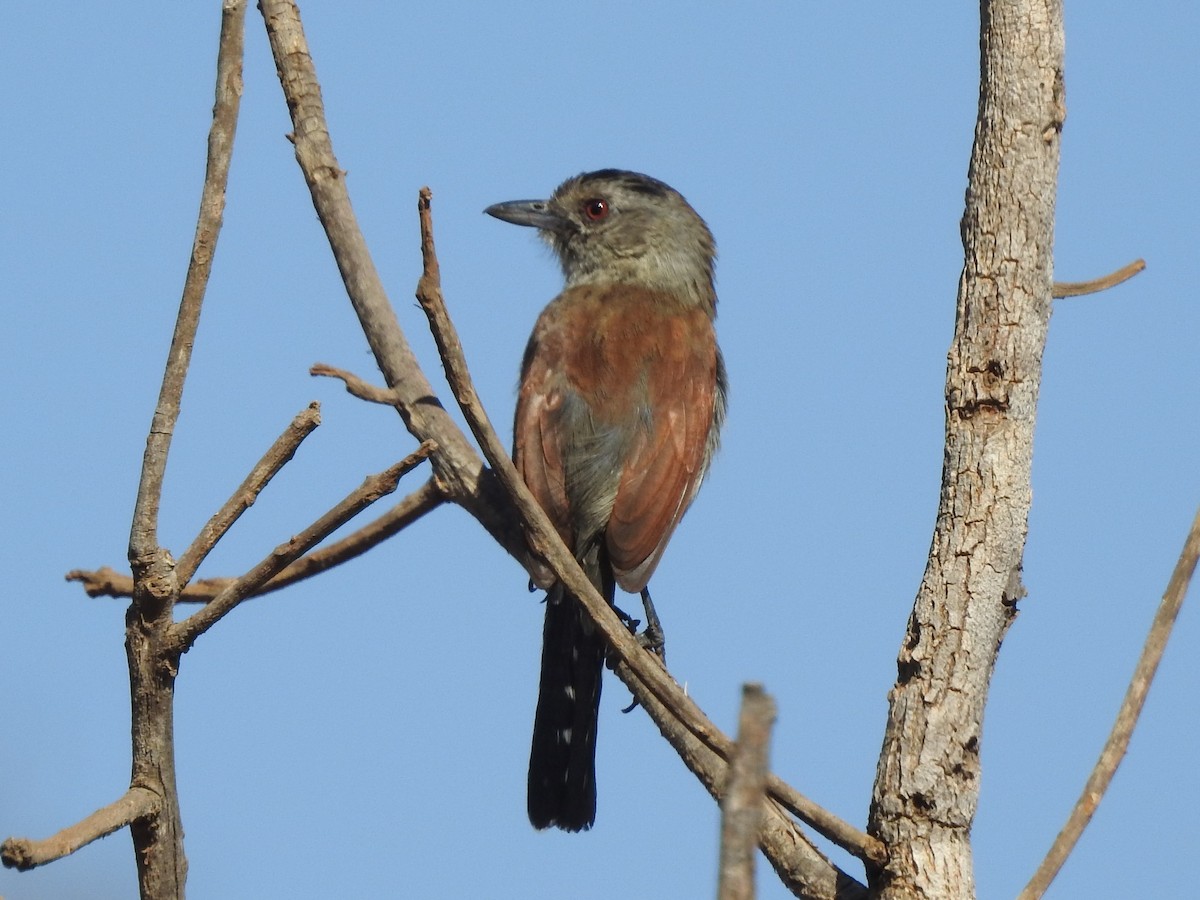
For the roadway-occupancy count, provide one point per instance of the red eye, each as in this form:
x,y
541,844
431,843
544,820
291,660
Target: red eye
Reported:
x,y
595,209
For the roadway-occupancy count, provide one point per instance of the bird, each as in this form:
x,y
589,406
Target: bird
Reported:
x,y
621,400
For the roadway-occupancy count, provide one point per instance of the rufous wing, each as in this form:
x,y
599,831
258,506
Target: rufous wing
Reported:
x,y
536,444
668,457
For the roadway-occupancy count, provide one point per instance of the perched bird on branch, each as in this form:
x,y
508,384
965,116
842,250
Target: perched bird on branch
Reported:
x,y
620,407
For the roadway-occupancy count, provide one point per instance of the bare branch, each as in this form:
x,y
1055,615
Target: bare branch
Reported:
x,y
445,335
414,506
357,386
852,840
1079,288
243,498
742,805
184,634
1127,718
23,854
458,467
103,582
143,538
158,838
107,582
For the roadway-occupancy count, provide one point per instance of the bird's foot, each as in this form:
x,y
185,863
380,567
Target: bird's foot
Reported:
x,y
627,620
651,639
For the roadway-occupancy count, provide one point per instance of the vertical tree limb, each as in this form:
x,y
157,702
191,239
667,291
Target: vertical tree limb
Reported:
x,y
927,784
158,838
745,793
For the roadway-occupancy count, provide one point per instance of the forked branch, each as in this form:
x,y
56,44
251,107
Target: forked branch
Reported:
x,y
108,582
183,634
459,470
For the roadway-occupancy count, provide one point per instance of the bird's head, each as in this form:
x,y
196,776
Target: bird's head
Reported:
x,y
613,226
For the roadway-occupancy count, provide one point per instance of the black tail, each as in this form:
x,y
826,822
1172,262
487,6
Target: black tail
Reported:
x,y
562,763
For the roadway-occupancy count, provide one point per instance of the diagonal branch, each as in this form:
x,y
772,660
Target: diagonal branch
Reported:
x,y
457,466
802,868
183,634
23,854
414,506
641,671
243,498
1127,718
143,538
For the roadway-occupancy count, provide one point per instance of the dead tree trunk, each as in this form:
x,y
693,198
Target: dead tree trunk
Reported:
x,y
927,784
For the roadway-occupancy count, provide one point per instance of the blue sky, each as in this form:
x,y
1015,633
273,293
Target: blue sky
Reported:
x,y
366,733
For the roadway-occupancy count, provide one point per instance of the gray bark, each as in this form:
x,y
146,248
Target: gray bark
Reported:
x,y
927,784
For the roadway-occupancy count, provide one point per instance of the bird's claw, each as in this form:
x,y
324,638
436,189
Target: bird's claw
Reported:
x,y
629,621
651,639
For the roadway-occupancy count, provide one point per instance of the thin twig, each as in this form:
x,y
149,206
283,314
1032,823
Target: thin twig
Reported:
x,y
1079,288
103,582
424,499
23,854
108,582
243,498
184,634
445,335
643,672
1127,718
742,809
356,386
143,538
